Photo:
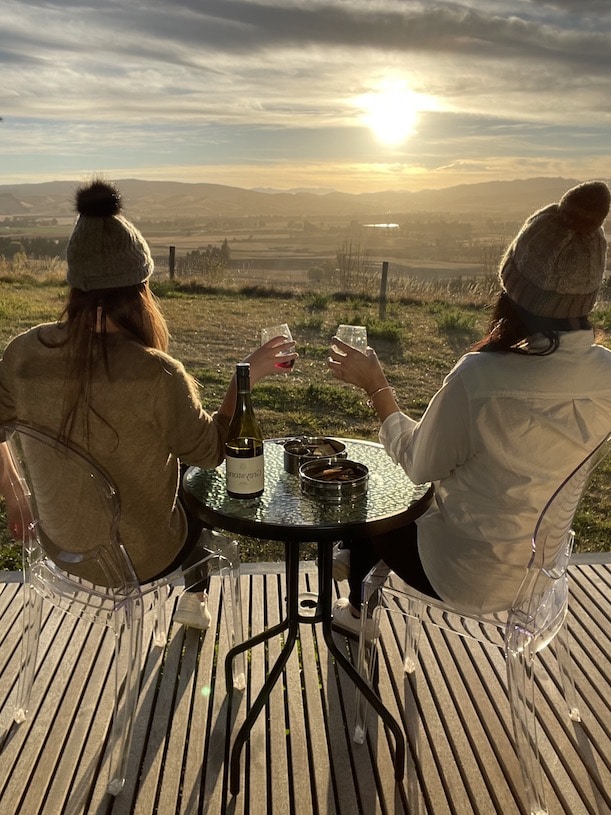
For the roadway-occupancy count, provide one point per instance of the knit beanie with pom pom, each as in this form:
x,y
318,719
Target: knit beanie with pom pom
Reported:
x,y
554,267
105,250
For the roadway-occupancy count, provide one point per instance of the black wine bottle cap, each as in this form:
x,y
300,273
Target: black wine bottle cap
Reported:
x,y
242,375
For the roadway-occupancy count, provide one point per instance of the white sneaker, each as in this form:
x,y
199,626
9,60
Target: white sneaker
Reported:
x,y
341,563
344,619
192,613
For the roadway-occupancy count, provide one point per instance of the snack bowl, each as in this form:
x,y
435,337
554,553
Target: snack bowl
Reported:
x,y
311,448
335,480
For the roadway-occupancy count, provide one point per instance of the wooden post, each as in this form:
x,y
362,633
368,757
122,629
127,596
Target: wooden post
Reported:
x,y
383,282
172,261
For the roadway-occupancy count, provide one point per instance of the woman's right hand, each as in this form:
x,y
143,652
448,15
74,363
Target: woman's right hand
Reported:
x,y
355,367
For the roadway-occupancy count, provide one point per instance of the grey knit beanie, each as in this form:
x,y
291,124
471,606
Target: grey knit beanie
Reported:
x,y
105,250
555,265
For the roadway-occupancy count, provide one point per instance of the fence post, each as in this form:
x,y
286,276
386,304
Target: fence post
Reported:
x,y
383,282
172,261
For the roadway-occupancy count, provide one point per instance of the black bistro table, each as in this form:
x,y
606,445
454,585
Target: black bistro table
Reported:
x,y
284,513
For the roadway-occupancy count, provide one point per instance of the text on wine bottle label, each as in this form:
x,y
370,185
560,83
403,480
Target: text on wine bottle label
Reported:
x,y
244,475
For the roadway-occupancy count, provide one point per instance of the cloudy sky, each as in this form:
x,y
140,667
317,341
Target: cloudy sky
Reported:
x,y
355,95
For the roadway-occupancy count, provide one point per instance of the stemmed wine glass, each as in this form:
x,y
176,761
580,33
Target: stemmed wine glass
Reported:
x,y
271,331
353,335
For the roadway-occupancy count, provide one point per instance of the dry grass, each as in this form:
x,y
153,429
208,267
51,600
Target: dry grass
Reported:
x,y
426,327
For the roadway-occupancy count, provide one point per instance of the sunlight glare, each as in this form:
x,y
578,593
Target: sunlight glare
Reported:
x,y
391,114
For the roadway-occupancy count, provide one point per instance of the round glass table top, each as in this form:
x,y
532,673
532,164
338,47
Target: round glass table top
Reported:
x,y
284,512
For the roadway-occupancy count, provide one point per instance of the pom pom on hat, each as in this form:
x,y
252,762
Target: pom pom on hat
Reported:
x,y
585,207
555,265
105,250
98,200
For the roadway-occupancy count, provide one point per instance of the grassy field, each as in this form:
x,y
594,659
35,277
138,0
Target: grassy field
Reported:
x,y
421,334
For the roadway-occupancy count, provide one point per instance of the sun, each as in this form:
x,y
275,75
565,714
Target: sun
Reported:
x,y
391,114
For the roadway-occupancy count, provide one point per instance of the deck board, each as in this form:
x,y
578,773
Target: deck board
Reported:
x,y
301,759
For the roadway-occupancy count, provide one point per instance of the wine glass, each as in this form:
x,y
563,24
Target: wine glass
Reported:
x,y
271,331
353,335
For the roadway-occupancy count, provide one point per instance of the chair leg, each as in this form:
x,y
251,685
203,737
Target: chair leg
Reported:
x,y
367,669
234,622
413,627
160,628
367,653
128,651
520,684
32,616
565,663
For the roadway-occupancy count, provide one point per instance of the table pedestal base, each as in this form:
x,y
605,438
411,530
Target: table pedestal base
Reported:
x,y
322,613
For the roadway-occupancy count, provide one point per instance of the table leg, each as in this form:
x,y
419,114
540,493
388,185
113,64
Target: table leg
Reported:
x,y
325,583
291,625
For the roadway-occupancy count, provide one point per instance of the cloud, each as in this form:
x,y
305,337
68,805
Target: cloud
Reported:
x,y
223,53
264,81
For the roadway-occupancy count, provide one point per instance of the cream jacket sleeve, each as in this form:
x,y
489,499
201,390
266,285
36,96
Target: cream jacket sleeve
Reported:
x,y
432,448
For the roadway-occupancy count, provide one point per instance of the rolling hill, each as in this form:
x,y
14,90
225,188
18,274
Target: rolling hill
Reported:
x,y
173,199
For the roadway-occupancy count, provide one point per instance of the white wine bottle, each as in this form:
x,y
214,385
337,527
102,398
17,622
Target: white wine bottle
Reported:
x,y
244,446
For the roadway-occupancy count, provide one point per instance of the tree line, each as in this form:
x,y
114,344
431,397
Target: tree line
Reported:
x,y
209,262
35,248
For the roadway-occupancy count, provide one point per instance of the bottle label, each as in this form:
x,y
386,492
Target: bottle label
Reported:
x,y
244,475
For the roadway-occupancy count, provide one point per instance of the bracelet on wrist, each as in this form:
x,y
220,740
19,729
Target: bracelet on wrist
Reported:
x,y
379,390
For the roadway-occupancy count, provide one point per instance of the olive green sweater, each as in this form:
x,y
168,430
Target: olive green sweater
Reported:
x,y
146,416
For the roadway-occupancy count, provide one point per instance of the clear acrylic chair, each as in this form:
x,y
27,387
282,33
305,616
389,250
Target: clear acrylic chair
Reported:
x,y
535,618
94,578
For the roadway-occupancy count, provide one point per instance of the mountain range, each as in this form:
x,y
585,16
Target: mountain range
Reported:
x,y
170,200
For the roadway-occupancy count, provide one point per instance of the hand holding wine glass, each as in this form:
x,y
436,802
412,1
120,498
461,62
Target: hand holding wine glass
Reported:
x,y
264,358
274,331
353,335
355,367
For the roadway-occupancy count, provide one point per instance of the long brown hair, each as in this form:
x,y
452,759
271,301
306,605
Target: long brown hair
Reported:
x,y
511,326
84,323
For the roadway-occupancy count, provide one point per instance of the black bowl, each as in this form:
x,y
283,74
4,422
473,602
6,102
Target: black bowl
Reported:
x,y
311,448
334,480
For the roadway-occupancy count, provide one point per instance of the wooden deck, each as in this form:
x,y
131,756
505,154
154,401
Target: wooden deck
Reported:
x,y
301,759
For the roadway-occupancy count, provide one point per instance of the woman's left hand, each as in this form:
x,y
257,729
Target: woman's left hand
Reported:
x,y
265,359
